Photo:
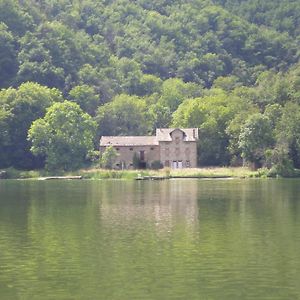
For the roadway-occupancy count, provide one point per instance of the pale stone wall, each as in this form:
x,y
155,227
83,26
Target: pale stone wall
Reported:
x,y
151,153
178,153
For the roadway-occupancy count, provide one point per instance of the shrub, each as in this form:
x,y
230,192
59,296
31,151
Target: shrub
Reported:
x,y
108,157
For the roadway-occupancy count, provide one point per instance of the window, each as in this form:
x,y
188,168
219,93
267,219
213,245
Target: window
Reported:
x,y
152,148
187,164
131,149
117,149
177,140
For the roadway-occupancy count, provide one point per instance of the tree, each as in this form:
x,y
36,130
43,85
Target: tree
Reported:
x,y
86,97
8,57
255,138
24,105
288,131
279,161
4,137
211,114
36,63
108,157
160,116
64,136
14,16
54,53
175,91
226,83
149,84
125,115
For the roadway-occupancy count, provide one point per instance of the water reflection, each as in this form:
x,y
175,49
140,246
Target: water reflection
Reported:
x,y
181,239
161,204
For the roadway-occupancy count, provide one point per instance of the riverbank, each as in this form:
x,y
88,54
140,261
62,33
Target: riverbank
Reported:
x,y
93,173
98,174
171,173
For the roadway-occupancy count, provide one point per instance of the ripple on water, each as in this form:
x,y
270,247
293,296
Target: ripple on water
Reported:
x,y
235,239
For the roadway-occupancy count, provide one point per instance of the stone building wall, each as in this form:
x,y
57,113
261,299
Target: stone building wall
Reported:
x,y
126,153
178,153
174,148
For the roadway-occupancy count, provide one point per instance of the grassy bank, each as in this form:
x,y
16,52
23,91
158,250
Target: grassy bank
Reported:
x,y
223,172
95,173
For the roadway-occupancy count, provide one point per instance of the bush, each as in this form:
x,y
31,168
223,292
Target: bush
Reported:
x,y
279,163
279,170
262,173
109,157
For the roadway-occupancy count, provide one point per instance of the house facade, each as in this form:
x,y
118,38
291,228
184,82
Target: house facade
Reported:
x,y
172,147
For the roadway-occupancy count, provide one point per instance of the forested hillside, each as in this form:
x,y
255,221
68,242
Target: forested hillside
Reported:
x,y
230,68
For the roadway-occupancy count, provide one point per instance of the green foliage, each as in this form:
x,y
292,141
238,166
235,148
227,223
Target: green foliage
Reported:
x,y
64,136
288,131
125,115
160,116
86,97
15,17
149,84
226,83
255,138
8,56
108,157
211,114
126,42
20,107
282,15
279,162
138,65
175,91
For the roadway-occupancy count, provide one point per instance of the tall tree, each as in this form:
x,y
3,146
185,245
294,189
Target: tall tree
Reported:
x,y
255,138
8,57
24,105
125,115
64,136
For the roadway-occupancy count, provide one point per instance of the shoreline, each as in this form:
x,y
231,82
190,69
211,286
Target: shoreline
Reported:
x,y
100,174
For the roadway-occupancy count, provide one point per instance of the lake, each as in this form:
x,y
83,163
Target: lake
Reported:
x,y
173,239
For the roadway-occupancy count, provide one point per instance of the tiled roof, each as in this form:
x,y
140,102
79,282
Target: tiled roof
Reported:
x,y
128,140
162,135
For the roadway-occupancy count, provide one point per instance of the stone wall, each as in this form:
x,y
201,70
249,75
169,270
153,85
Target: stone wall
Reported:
x,y
126,153
178,153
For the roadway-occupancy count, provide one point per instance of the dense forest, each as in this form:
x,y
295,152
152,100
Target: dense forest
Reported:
x,y
73,70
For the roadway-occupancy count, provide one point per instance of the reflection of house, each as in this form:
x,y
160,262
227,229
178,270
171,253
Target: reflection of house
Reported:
x,y
173,147
163,203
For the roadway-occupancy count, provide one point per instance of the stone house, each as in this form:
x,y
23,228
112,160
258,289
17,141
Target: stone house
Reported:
x,y
172,147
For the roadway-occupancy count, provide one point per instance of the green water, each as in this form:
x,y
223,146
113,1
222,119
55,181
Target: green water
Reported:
x,y
177,239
